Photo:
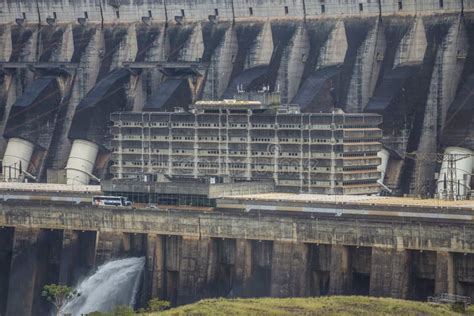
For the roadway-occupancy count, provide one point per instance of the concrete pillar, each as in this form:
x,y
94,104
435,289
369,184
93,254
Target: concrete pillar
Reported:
x,y
289,269
444,279
154,273
23,269
340,276
69,251
6,244
109,246
390,273
49,245
243,266
194,264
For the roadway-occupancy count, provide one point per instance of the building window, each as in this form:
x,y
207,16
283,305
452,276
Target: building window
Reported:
x,y
149,13
182,13
361,7
250,11
323,8
441,4
400,5
24,15
55,16
86,15
286,10
216,12
117,14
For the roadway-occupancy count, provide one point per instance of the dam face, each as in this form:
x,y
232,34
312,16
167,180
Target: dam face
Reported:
x,y
70,70
190,254
66,67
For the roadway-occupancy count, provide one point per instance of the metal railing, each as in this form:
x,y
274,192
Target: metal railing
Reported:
x,y
445,298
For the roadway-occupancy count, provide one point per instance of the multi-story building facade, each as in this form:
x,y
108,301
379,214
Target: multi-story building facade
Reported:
x,y
331,153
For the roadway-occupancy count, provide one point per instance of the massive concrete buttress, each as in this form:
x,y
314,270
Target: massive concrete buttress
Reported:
x,y
444,83
366,69
6,40
261,51
220,70
292,64
334,50
413,45
194,46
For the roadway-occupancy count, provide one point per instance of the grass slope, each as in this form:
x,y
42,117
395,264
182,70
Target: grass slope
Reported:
x,y
324,306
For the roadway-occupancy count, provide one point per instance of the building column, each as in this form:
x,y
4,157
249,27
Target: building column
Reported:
x,y
23,271
193,269
444,279
390,273
289,276
243,266
340,278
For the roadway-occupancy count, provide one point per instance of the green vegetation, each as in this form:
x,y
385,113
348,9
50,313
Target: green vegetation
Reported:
x,y
154,305
120,310
58,295
324,306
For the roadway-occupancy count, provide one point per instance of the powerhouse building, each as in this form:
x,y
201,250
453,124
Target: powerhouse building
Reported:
x,y
235,140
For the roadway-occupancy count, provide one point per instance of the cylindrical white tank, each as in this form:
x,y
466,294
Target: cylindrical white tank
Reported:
x,y
457,182
384,155
18,150
81,161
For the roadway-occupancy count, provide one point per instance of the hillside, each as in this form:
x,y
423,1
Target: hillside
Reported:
x,y
325,306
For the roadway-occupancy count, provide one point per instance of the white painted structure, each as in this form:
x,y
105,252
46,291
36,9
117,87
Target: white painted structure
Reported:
x,y
18,151
384,155
81,162
459,180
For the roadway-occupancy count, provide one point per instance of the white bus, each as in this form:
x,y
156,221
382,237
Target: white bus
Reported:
x,y
110,201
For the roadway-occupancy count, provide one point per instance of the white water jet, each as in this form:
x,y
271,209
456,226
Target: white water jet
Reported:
x,y
115,283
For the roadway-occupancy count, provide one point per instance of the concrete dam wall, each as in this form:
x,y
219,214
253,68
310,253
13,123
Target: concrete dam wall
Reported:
x,y
66,66
191,254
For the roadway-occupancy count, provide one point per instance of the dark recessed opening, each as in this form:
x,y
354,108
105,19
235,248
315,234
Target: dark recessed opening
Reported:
x,y
117,14
55,15
323,8
149,13
216,12
24,15
251,11
182,13
86,15
361,7
441,4
400,5
286,10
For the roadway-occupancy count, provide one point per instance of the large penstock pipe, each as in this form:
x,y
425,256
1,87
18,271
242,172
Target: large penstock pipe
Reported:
x,y
17,158
81,161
